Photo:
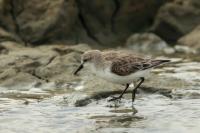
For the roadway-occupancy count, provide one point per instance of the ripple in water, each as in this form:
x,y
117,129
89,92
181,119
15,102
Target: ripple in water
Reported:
x,y
155,114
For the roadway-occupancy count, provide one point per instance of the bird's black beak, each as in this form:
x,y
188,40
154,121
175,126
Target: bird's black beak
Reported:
x,y
78,69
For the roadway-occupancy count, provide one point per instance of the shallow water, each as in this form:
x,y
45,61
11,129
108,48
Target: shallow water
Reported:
x,y
155,113
39,110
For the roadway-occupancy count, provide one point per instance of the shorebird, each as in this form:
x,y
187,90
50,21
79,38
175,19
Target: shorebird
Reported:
x,y
119,67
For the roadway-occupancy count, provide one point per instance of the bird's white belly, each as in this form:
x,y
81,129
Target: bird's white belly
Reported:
x,y
109,76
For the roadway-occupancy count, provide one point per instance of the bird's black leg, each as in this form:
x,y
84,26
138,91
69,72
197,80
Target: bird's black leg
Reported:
x,y
135,89
120,96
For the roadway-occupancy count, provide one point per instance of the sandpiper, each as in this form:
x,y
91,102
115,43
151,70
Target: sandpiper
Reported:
x,y
119,67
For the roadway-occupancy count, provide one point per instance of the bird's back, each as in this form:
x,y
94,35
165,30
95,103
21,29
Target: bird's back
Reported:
x,y
124,63
110,55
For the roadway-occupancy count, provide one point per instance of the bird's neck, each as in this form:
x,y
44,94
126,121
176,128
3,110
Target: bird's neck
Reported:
x,y
99,62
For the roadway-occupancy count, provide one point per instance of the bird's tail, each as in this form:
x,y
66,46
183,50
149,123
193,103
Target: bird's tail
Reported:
x,y
159,62
163,61
155,63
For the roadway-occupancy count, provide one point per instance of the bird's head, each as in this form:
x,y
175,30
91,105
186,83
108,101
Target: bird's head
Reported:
x,y
88,58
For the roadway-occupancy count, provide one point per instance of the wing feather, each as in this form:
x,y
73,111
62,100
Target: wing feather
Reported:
x,y
127,65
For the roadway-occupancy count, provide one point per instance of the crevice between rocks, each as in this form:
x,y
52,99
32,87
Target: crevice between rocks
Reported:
x,y
39,77
3,25
64,51
13,15
50,60
117,8
34,66
84,24
14,18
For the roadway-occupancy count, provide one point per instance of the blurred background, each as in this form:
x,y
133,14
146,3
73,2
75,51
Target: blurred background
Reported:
x,y
41,42
100,23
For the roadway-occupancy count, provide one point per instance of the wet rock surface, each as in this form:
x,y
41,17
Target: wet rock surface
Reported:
x,y
37,66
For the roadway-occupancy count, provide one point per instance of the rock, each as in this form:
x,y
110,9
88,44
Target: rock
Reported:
x,y
146,43
8,25
191,39
18,81
3,50
60,68
112,24
46,20
8,36
185,49
6,16
11,46
93,88
74,21
38,66
164,85
169,50
176,19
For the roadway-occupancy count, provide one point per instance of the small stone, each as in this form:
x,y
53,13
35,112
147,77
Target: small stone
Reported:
x,y
169,50
146,43
184,49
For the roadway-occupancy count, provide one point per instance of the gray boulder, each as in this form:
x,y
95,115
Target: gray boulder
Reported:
x,y
191,39
176,19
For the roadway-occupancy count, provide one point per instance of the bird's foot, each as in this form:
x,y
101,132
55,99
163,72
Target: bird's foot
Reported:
x,y
115,98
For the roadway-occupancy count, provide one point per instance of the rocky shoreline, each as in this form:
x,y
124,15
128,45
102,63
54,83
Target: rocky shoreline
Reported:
x,y
48,69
